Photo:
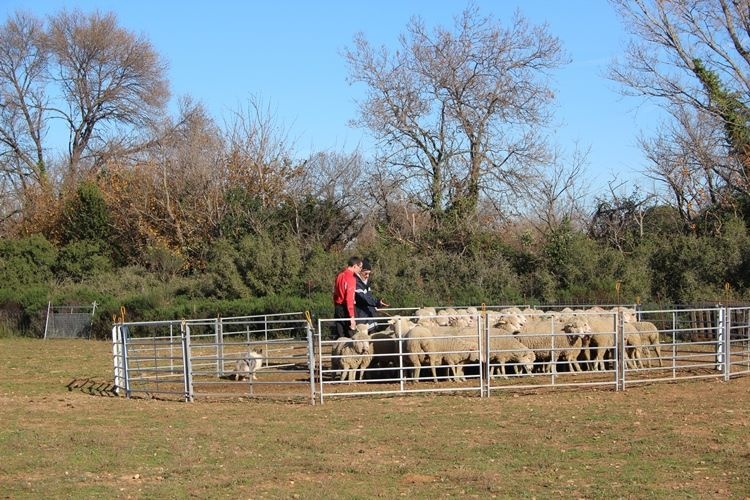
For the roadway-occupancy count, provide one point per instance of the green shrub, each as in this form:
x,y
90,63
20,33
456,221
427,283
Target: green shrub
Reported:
x,y
80,260
26,261
86,216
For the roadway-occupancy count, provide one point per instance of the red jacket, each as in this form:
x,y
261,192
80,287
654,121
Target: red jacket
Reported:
x,y
344,288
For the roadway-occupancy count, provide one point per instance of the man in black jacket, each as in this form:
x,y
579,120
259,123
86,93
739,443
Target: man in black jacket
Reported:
x,y
365,303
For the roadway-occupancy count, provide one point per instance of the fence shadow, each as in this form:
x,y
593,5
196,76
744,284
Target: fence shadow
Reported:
x,y
92,387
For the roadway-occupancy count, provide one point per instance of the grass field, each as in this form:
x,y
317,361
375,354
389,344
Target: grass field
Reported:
x,y
63,435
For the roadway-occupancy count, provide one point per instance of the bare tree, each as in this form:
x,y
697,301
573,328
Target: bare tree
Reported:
x,y
330,199
693,57
172,195
260,157
689,158
457,113
22,103
619,218
83,73
108,78
557,194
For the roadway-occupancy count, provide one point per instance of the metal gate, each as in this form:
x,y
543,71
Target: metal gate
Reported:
x,y
203,358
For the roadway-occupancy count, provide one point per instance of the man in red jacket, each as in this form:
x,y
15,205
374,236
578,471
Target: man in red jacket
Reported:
x,y
343,298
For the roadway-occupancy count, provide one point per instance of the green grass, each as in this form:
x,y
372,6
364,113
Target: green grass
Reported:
x,y
664,440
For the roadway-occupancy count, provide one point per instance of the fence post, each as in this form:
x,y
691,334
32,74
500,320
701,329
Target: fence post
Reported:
x,y
319,361
117,358
123,334
620,351
186,355
400,338
46,321
482,357
484,366
719,336
723,348
311,360
219,338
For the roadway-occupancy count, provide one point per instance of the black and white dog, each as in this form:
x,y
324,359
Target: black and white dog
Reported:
x,y
245,368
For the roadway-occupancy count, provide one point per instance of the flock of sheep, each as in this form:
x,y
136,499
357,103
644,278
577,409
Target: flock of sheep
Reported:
x,y
528,340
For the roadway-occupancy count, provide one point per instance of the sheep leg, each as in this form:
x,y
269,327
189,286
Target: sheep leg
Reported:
x,y
433,368
573,365
460,373
455,372
646,351
502,370
585,347
417,366
599,360
657,348
638,360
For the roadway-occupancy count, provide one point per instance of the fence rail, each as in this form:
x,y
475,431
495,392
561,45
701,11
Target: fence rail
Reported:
x,y
209,358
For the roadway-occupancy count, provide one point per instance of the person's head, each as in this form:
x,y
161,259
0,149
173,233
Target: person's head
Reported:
x,y
366,268
354,263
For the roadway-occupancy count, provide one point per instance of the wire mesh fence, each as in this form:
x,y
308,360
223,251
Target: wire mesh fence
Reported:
x,y
69,321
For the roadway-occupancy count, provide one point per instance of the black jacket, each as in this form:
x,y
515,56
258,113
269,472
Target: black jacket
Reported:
x,y
364,301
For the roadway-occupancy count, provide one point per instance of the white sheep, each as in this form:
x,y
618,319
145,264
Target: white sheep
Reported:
x,y
438,346
577,329
452,357
632,346
398,325
510,322
245,368
601,338
551,340
628,313
649,339
505,349
351,356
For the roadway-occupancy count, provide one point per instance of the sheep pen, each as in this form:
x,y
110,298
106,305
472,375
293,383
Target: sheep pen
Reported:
x,y
446,358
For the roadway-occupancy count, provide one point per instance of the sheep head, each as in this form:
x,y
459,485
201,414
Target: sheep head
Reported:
x,y
512,322
399,326
578,326
361,340
527,360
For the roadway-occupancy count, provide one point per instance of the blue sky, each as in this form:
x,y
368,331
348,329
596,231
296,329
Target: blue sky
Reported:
x,y
288,53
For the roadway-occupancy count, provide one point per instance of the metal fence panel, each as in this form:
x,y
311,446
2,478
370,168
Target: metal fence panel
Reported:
x,y
202,358
738,340
447,361
69,322
691,345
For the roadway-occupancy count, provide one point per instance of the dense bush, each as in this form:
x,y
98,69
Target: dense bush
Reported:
x,y
277,270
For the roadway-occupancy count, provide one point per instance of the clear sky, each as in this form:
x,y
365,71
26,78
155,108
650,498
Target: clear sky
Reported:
x,y
288,53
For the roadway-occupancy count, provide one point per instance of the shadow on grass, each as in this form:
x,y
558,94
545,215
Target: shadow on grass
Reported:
x,y
92,387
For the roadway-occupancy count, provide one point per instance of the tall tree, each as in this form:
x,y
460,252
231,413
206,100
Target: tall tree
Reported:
x,y
108,78
102,84
457,113
23,100
173,195
693,58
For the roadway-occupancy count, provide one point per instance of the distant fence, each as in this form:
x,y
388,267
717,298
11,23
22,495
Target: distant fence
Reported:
x,y
198,358
72,321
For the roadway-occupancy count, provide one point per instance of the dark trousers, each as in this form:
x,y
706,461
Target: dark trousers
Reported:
x,y
341,328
